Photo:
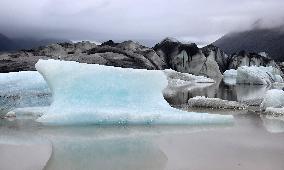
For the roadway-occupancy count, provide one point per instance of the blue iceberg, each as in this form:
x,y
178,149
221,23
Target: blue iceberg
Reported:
x,y
22,89
96,94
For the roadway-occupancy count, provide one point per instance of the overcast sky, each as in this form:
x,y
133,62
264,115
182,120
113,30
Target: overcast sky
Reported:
x,y
201,21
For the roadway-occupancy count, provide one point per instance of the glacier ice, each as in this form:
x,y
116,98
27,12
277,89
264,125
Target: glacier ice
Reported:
x,y
257,75
253,75
29,112
216,103
177,79
230,77
96,94
22,89
19,81
274,110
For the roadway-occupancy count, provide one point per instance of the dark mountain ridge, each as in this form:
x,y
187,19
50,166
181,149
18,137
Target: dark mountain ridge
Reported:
x,y
269,40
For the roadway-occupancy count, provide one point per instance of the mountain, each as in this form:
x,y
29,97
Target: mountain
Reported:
x,y
5,43
15,44
208,61
257,40
127,54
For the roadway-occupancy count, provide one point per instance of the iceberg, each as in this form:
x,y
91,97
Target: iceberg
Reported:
x,y
96,94
230,77
258,75
214,103
177,79
22,89
253,75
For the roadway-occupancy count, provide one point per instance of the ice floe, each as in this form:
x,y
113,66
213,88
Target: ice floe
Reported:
x,y
215,103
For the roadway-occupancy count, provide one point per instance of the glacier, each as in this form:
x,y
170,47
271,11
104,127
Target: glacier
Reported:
x,y
96,94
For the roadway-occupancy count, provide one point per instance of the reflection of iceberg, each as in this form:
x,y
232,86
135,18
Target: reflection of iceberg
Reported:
x,y
16,147
122,154
100,147
273,124
251,95
95,94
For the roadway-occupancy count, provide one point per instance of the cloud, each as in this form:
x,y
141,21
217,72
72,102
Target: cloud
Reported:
x,y
136,19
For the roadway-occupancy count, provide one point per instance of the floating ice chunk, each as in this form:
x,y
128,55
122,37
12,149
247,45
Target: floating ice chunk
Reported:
x,y
22,89
215,103
28,111
230,77
273,98
252,75
263,54
177,79
258,75
19,81
96,94
273,110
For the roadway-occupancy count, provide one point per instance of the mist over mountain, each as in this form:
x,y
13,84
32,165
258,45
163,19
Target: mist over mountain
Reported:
x,y
269,40
14,44
5,43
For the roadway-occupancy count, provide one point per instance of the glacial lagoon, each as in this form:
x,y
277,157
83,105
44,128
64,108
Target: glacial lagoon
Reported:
x,y
252,142
249,140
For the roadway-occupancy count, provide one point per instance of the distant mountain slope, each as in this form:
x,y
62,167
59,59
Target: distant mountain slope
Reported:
x,y
8,44
257,40
5,43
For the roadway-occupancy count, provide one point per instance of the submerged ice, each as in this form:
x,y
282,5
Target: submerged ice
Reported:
x,y
96,94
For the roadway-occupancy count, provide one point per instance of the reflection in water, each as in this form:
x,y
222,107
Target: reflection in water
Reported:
x,y
273,124
102,147
121,154
249,94
155,147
